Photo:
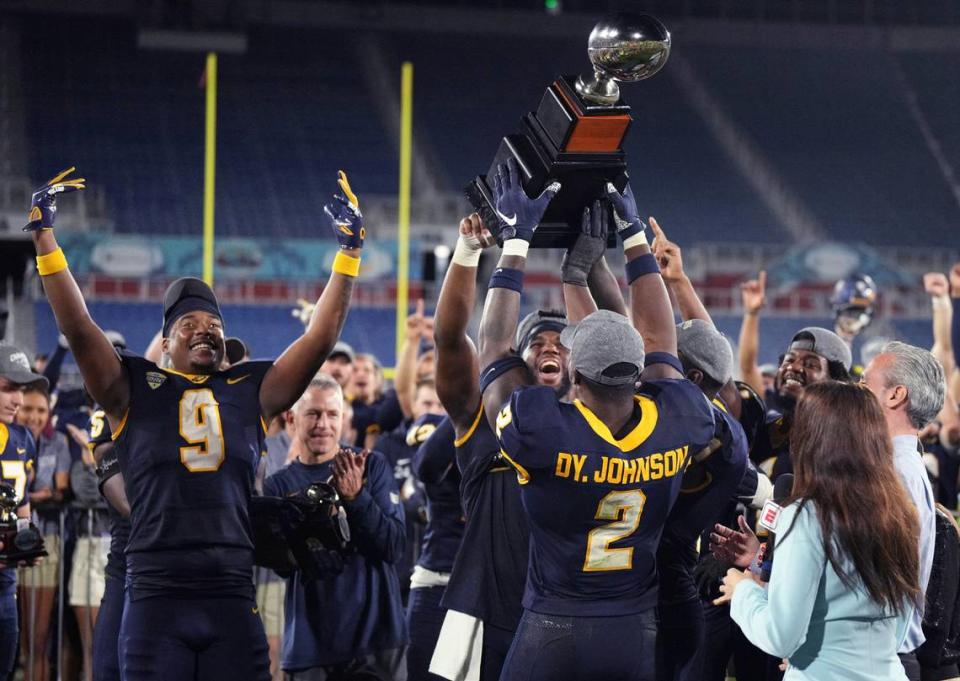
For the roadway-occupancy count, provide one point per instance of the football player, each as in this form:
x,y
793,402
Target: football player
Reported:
x,y
599,476
485,588
197,435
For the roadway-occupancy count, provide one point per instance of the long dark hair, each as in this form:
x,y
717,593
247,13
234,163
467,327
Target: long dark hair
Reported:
x,y
843,462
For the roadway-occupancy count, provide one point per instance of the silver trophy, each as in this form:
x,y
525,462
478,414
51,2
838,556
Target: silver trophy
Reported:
x,y
624,48
575,135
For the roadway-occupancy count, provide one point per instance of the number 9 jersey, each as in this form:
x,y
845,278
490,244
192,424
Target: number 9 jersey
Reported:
x,y
597,503
190,449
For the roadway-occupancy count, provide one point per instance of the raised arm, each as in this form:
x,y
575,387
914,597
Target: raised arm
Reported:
x,y
102,372
754,296
953,381
520,215
458,367
405,380
580,260
288,377
670,259
649,301
605,288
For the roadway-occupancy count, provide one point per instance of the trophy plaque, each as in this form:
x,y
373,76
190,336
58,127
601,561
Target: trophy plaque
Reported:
x,y
576,134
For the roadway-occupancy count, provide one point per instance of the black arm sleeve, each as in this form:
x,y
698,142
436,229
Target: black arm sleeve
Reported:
x,y
52,371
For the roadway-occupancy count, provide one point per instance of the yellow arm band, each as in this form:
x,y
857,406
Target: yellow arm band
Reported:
x,y
345,265
51,263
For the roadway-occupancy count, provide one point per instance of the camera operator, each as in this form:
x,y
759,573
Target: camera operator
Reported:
x,y
17,448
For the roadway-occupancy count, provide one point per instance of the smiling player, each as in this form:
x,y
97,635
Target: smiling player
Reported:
x,y
190,440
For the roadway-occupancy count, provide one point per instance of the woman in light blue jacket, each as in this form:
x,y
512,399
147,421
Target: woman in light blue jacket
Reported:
x,y
845,575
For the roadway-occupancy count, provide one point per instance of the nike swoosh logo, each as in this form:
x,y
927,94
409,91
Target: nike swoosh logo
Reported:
x,y
231,381
21,450
255,610
512,221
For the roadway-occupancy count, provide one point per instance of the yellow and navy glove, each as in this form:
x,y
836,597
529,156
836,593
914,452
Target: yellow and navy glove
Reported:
x,y
43,207
345,217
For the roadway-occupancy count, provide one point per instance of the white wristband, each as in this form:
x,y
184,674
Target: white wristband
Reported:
x,y
941,303
467,251
516,247
638,239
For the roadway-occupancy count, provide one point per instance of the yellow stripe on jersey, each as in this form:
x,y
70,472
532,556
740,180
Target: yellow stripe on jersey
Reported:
x,y
123,422
193,378
523,477
459,442
720,405
649,416
4,436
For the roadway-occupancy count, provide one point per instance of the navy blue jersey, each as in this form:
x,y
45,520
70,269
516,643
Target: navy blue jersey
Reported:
x,y
398,446
435,466
189,450
490,569
773,442
119,526
381,416
358,611
17,450
710,483
597,504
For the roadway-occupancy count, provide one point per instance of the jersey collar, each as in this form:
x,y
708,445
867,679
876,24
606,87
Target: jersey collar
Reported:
x,y
633,439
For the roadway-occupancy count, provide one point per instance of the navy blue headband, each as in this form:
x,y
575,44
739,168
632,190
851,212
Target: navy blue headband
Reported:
x,y
185,305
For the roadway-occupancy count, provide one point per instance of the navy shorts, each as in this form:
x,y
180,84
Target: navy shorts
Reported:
x,y
555,648
106,658
180,639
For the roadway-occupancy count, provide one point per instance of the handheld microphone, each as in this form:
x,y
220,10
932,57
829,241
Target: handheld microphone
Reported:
x,y
768,519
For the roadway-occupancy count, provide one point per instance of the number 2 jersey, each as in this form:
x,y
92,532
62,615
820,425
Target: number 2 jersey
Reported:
x,y
189,450
597,503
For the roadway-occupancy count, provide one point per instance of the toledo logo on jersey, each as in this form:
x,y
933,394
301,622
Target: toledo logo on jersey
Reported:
x,y
155,379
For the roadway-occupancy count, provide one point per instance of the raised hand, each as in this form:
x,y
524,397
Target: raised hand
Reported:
x,y
955,280
754,293
419,325
475,232
625,212
519,214
345,216
589,246
936,284
667,253
43,206
733,547
303,311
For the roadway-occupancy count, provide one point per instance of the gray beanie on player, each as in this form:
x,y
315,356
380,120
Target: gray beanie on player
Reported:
x,y
605,348
705,349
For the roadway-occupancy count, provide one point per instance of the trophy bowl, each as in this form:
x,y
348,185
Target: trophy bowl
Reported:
x,y
625,48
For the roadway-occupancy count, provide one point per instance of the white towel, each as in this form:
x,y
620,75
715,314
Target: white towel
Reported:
x,y
459,647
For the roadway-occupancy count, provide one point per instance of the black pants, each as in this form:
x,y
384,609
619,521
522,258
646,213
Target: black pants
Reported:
x,y
910,665
723,640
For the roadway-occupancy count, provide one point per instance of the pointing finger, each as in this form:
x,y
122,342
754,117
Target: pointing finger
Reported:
x,y
657,231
